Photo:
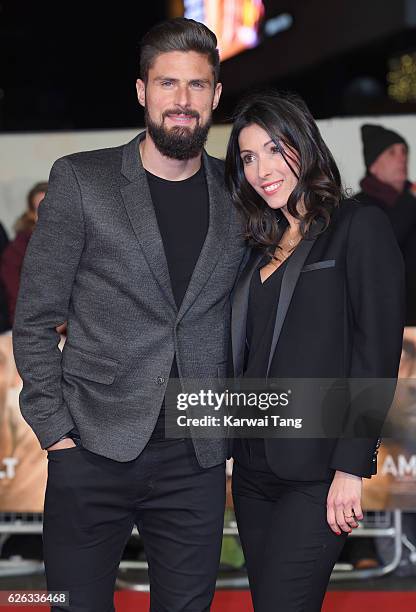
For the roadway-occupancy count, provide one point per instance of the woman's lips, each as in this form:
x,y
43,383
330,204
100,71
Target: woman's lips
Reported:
x,y
271,188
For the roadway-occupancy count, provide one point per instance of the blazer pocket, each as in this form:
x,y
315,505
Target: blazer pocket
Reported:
x,y
89,366
319,265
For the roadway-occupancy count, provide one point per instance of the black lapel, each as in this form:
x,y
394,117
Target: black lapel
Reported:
x,y
239,313
290,278
138,203
219,219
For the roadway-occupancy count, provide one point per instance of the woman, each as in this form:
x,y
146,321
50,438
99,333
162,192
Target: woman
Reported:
x,y
321,297
14,254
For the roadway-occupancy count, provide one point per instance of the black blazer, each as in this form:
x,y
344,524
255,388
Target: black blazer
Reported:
x,y
340,315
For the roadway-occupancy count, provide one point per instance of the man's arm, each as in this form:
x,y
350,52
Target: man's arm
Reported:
x,y
48,275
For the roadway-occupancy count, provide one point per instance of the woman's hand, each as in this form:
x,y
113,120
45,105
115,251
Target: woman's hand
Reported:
x,y
344,502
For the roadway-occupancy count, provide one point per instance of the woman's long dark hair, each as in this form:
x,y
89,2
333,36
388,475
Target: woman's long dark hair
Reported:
x,y
287,120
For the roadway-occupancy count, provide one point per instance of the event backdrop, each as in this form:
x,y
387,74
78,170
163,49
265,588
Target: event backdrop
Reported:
x,y
23,464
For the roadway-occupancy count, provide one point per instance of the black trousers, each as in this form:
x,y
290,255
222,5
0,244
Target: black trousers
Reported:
x,y
92,504
289,547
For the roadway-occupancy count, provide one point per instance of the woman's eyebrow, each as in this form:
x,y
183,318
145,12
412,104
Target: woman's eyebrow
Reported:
x,y
265,145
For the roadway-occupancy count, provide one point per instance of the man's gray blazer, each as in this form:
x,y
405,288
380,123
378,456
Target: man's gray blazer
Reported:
x,y
96,260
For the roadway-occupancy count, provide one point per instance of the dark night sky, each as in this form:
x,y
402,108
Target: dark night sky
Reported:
x,y
68,66
73,66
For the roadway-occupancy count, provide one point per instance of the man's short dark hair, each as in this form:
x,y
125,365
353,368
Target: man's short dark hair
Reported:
x,y
178,34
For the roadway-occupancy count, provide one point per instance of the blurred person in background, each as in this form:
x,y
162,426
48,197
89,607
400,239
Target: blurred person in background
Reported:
x,y
13,255
4,239
386,185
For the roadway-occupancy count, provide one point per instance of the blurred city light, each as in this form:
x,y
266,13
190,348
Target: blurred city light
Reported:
x,y
402,78
236,23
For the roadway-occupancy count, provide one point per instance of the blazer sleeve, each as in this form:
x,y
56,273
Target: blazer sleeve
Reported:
x,y
48,275
376,297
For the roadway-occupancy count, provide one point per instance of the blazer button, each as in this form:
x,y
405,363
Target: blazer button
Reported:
x,y
160,380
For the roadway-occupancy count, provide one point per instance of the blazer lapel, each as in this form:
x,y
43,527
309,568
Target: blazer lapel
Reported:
x,y
290,278
239,313
217,232
138,203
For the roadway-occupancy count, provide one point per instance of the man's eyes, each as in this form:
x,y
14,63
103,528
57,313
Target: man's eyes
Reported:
x,y
194,84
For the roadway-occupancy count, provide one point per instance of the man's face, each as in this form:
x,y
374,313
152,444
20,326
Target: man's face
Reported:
x,y
391,166
179,98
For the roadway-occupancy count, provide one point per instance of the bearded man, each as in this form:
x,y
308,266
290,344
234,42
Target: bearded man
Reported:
x,y
137,247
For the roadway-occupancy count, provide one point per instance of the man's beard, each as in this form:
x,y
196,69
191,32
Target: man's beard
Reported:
x,y
179,142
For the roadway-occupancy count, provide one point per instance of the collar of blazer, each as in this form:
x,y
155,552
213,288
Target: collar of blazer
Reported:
x,y
138,203
290,278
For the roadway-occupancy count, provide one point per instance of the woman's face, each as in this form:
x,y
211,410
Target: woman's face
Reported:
x,y
265,168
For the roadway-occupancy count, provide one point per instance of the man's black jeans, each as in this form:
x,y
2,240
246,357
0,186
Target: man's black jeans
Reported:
x,y
92,504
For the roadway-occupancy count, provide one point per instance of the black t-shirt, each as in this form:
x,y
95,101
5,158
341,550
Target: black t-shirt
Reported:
x,y
261,316
182,213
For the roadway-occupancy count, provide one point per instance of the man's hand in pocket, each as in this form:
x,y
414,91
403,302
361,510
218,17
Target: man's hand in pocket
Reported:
x,y
65,443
